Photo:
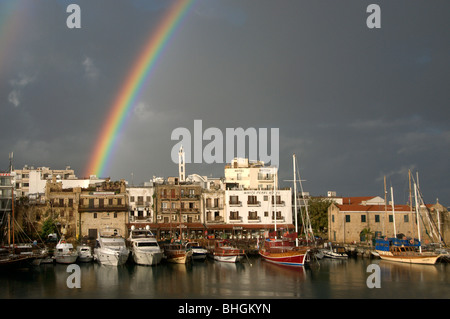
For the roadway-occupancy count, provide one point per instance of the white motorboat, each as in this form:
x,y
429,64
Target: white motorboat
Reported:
x,y
144,247
110,248
335,252
85,254
65,253
198,252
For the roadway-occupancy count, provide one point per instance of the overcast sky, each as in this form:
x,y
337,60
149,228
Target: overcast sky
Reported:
x,y
355,104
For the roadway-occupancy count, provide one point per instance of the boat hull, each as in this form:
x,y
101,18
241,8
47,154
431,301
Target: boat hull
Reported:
x,y
111,258
414,259
294,259
228,258
66,259
147,258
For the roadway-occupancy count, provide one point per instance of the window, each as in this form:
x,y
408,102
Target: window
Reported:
x,y
132,199
119,201
377,218
363,218
252,200
115,215
391,218
234,199
406,218
252,215
234,215
266,198
101,203
70,202
110,202
347,218
266,214
95,215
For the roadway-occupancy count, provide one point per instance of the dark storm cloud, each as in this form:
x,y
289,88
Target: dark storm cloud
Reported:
x,y
354,104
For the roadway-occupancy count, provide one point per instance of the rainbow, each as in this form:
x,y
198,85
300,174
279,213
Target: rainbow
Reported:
x,y
131,88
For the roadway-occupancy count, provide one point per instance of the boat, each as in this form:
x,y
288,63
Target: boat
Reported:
x,y
225,252
198,252
284,252
177,253
110,248
144,247
85,254
335,252
65,253
405,251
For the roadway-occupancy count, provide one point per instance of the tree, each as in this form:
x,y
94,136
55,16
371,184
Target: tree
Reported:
x,y
318,214
48,227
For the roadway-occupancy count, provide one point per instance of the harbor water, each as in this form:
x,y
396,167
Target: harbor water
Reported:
x,y
251,279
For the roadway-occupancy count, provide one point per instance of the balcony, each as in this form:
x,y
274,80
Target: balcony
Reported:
x,y
235,203
235,219
114,208
254,203
253,219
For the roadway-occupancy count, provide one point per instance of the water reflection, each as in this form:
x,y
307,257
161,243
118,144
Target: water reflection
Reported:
x,y
212,279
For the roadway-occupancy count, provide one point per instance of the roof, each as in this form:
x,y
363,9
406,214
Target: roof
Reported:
x,y
373,208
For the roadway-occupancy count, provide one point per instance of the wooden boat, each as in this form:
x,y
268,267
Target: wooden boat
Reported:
x,y
177,253
284,252
405,251
225,252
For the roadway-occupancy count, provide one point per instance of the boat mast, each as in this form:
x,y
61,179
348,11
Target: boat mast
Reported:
x,y
295,202
275,202
417,216
393,211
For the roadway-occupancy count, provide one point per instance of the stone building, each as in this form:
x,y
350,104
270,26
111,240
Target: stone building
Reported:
x,y
178,208
83,212
351,219
105,206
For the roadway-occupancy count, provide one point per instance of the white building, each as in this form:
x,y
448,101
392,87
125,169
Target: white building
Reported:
x,y
244,174
140,200
31,181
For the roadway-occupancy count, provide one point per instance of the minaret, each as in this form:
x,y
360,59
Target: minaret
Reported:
x,y
181,165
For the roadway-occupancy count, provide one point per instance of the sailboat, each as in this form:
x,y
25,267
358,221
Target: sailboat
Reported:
x,y
285,251
10,255
401,250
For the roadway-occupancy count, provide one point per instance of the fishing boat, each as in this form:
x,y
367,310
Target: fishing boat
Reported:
x,y
225,252
144,247
111,248
198,252
65,253
85,254
177,253
405,251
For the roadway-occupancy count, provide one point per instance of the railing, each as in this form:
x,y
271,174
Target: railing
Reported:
x,y
114,208
254,203
235,203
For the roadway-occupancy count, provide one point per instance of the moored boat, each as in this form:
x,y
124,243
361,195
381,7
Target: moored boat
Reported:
x,y
335,252
110,248
284,252
144,247
177,253
405,251
225,252
65,253
198,252
85,254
